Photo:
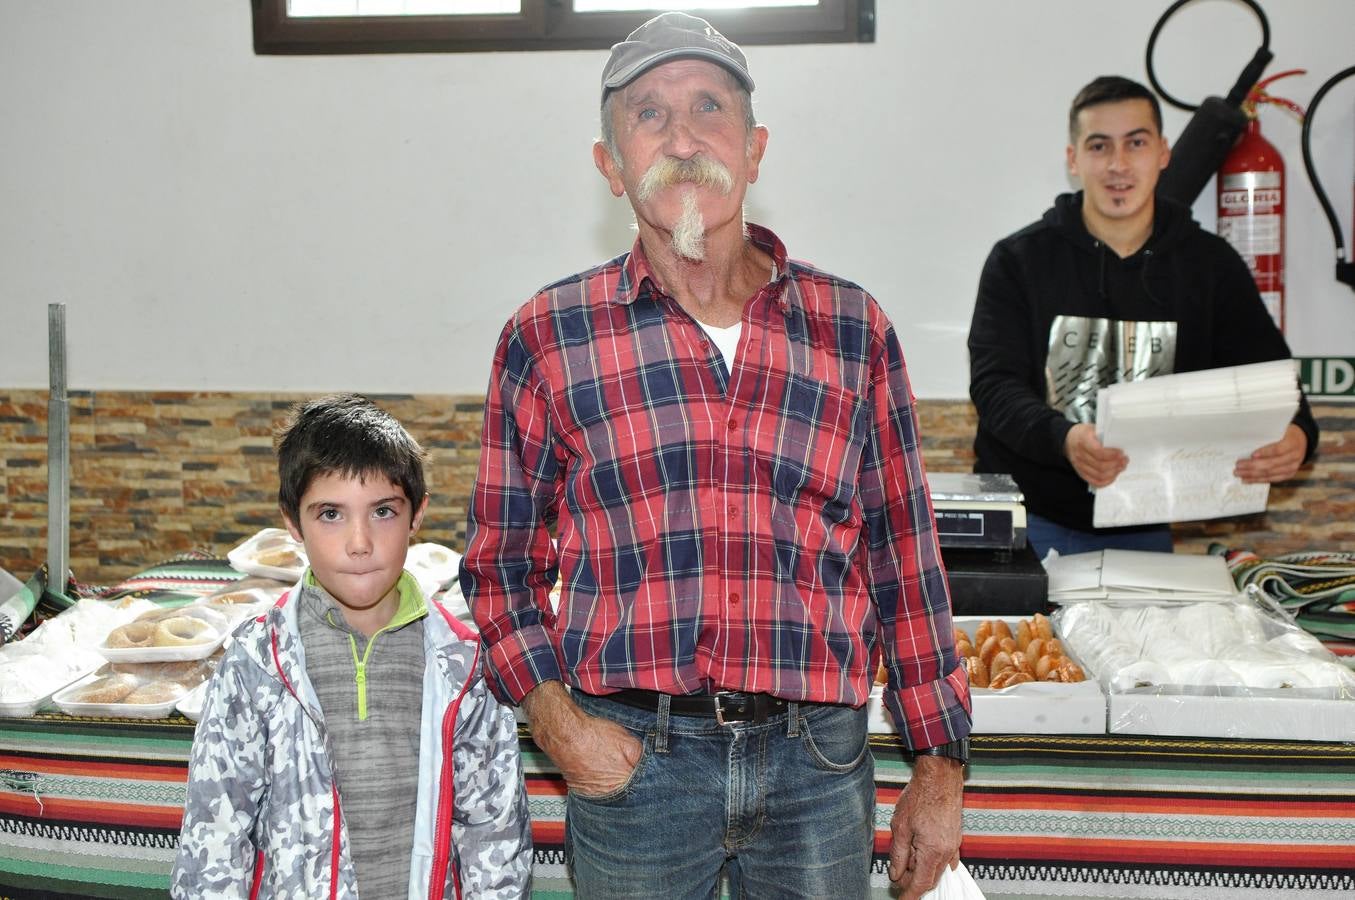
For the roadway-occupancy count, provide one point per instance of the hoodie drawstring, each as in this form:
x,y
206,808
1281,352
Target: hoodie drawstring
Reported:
x,y
1101,269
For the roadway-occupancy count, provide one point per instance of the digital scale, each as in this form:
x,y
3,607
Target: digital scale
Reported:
x,y
981,526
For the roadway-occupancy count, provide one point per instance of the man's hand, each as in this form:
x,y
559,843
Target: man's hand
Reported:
x,y
1096,464
594,755
1275,462
926,828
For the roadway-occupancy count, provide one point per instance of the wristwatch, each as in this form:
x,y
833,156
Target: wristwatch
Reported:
x,y
954,750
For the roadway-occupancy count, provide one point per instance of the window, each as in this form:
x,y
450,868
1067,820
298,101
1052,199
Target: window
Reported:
x,y
412,26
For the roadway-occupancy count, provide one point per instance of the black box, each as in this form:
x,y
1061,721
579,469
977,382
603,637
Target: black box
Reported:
x,y
996,582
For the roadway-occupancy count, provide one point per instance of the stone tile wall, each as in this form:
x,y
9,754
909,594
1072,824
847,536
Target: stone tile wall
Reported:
x,y
156,473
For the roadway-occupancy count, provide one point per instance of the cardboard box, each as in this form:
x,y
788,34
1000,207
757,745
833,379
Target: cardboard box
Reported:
x,y
1035,708
1254,717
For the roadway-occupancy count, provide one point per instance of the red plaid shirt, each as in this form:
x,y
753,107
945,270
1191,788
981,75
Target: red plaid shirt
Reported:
x,y
763,530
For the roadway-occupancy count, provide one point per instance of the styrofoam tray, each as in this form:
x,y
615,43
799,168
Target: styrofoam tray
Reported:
x,y
22,709
190,704
216,621
255,556
240,604
111,710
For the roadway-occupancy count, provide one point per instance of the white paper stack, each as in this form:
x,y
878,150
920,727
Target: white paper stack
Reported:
x,y
1183,435
1134,575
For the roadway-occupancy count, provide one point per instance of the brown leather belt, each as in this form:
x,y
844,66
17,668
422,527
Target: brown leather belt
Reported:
x,y
724,707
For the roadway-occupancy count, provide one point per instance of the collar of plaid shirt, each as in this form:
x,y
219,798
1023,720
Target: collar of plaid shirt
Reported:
x,y
638,278
768,531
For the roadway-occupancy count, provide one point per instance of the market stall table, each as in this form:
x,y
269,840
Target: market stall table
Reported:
x,y
91,808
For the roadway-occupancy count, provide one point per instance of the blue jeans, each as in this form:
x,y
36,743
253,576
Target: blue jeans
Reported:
x,y
1043,534
785,808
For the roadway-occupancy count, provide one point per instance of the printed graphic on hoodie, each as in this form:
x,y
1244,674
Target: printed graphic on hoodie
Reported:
x,y
1087,354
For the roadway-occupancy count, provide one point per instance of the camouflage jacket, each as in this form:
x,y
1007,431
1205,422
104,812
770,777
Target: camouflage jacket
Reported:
x,y
263,818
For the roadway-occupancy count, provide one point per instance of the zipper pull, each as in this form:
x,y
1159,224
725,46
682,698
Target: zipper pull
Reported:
x,y
362,691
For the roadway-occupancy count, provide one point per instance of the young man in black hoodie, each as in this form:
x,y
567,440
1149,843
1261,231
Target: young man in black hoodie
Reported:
x,y
1112,284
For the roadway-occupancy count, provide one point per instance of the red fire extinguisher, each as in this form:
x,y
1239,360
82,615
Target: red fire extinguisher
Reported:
x,y
1251,199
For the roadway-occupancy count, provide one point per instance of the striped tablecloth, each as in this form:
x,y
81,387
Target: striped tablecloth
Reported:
x,y
91,808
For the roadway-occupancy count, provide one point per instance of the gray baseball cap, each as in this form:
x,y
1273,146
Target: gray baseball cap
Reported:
x,y
672,35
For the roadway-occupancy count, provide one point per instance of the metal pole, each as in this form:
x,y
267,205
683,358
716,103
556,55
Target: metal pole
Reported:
x,y
58,453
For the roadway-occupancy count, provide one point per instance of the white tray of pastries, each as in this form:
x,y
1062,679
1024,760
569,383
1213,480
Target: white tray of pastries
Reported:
x,y
241,603
272,553
167,635
149,690
1043,694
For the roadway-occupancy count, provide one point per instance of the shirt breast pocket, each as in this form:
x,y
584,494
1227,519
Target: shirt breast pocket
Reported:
x,y
815,452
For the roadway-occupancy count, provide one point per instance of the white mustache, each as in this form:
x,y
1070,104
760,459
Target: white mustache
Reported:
x,y
699,170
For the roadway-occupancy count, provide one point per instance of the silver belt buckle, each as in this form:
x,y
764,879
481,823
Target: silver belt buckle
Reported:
x,y
719,708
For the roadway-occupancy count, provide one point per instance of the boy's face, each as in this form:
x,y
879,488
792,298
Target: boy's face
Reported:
x,y
356,532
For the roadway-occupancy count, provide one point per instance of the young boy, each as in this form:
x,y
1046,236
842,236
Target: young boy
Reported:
x,y
348,742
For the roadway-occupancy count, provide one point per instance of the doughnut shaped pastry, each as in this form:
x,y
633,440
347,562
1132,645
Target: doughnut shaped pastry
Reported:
x,y
108,689
179,630
133,634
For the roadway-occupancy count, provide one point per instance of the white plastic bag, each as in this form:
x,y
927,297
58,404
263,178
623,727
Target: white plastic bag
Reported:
x,y
955,884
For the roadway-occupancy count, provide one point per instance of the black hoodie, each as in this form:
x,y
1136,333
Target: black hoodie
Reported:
x,y
1055,267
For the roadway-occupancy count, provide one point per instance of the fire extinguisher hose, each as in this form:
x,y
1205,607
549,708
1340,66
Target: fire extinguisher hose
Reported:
x,y
1345,271
1244,82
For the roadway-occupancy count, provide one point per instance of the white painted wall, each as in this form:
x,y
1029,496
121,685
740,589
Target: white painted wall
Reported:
x,y
218,220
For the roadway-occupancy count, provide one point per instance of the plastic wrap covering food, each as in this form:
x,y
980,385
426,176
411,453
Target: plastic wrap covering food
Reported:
x,y
145,690
59,651
168,635
1234,669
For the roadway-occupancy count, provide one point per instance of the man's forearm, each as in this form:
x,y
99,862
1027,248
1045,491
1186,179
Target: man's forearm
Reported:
x,y
551,713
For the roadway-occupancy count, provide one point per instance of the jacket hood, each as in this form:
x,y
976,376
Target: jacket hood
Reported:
x,y
1172,224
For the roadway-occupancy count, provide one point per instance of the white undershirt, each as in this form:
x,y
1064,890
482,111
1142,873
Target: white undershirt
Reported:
x,y
726,340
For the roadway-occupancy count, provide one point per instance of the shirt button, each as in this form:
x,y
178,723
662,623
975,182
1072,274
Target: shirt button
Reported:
x,y
733,510
733,599
733,424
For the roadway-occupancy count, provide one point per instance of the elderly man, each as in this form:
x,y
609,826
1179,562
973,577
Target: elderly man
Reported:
x,y
724,443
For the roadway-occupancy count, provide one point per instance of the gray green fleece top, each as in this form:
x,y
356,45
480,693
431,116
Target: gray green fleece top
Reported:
x,y
371,694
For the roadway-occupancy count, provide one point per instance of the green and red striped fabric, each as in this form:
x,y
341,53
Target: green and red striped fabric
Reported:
x,y
91,808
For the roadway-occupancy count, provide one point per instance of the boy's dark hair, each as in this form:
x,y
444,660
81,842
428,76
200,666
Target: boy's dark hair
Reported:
x,y
1110,89
345,434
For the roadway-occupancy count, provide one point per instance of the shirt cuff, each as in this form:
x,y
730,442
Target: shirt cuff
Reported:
x,y
934,713
521,661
